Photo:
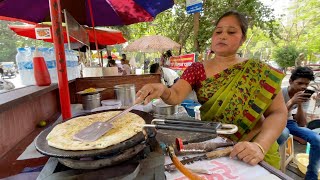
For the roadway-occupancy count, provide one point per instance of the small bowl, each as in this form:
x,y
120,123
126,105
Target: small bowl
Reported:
x,y
161,108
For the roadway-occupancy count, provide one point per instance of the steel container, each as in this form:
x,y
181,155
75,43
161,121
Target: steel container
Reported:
x,y
126,93
90,101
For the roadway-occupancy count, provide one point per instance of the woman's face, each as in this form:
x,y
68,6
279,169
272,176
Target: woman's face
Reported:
x,y
227,37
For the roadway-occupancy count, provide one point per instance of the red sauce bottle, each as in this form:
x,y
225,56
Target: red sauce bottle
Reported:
x,y
41,73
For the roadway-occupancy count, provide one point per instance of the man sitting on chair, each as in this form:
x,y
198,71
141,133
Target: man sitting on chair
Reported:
x,y
297,101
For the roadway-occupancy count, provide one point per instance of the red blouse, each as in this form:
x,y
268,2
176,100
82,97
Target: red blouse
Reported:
x,y
194,75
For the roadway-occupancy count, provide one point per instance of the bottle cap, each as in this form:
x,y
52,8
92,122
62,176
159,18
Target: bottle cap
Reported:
x,y
37,53
179,144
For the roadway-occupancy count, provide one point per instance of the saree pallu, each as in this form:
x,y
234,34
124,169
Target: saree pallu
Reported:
x,y
240,95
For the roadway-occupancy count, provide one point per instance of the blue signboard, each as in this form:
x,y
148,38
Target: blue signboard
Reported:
x,y
194,6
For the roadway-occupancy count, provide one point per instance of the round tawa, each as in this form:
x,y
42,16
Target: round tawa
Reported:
x,y
103,162
43,147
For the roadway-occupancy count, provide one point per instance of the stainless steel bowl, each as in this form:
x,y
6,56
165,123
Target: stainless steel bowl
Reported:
x,y
90,101
161,108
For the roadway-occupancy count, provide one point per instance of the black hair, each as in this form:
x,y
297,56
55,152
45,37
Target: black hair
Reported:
x,y
113,62
302,72
109,57
154,67
241,18
169,53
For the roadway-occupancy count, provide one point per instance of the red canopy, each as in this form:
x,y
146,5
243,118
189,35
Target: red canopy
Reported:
x,y
104,37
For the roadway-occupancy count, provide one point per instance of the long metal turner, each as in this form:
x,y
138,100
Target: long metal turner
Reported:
x,y
98,129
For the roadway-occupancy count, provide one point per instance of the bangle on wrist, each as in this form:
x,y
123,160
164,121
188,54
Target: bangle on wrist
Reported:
x,y
260,147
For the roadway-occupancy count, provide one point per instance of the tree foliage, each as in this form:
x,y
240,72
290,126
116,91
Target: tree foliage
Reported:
x,y
178,25
258,45
9,42
286,56
301,28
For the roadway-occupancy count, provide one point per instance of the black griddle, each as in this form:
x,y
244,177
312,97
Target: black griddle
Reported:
x,y
43,147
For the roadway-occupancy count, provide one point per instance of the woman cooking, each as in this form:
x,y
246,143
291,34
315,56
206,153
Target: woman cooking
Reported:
x,y
233,90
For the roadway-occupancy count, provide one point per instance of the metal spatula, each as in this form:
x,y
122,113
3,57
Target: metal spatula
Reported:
x,y
98,129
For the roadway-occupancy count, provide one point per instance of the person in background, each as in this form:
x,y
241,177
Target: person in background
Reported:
x,y
233,90
167,56
112,63
297,103
124,58
81,67
109,60
125,67
168,76
163,59
146,65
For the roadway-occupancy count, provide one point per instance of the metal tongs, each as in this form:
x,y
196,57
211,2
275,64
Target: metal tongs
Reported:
x,y
193,126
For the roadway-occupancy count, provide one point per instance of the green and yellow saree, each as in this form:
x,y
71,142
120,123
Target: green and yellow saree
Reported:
x,y
238,95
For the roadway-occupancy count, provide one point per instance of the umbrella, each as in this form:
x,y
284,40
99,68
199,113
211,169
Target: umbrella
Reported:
x,y
97,55
104,37
104,12
155,43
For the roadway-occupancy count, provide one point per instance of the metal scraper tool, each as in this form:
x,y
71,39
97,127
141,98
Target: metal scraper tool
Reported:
x,y
98,129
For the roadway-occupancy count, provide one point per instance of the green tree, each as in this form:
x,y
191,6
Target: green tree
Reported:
x,y
301,27
286,56
258,45
176,24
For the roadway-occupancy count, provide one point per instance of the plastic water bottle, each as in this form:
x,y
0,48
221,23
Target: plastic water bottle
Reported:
x,y
72,73
51,64
68,62
70,68
25,65
72,64
41,73
76,65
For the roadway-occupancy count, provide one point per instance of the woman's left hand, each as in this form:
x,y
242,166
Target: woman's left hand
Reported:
x,y
248,152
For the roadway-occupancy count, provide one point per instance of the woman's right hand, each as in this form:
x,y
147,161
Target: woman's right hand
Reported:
x,y
149,92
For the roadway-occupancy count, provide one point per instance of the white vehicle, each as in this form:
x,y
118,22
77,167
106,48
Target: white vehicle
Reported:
x,y
8,69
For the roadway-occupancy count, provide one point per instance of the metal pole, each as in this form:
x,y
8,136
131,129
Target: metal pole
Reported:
x,y
101,58
94,30
55,13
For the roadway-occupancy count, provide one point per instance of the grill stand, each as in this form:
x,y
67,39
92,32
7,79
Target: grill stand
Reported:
x,y
149,168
